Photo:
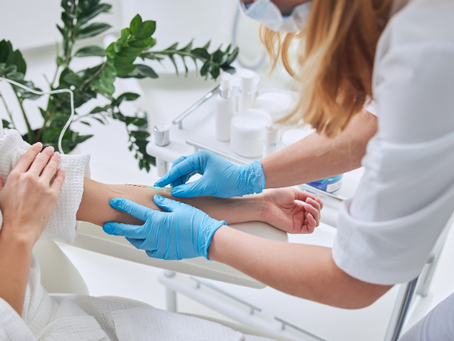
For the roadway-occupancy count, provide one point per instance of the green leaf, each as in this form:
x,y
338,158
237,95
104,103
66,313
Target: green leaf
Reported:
x,y
92,30
145,30
135,22
219,57
207,45
6,124
142,44
127,96
100,109
104,82
90,51
206,68
201,53
123,38
141,71
68,78
232,56
99,120
139,134
43,113
25,94
5,49
86,15
86,123
215,71
136,121
15,58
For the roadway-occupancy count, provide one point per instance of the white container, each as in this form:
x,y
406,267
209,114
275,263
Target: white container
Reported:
x,y
247,89
271,140
247,132
294,135
225,108
277,104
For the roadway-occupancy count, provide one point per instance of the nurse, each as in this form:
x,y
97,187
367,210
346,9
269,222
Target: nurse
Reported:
x,y
400,54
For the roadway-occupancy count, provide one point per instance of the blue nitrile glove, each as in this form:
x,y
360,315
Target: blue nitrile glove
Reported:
x,y
220,178
182,232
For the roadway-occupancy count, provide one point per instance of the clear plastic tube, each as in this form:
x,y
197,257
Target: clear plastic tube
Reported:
x,y
59,91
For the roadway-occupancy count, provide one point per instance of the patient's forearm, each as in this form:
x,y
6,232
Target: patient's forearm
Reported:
x,y
95,207
15,258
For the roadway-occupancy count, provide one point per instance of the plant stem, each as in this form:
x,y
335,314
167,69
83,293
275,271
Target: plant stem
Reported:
x,y
92,78
31,136
7,111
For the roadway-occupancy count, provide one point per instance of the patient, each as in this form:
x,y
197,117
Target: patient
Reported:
x,y
41,200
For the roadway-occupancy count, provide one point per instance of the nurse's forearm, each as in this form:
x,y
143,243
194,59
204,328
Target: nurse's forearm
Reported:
x,y
95,207
305,271
316,156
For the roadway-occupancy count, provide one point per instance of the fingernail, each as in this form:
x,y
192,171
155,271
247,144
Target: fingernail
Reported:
x,y
62,169
50,148
38,144
57,154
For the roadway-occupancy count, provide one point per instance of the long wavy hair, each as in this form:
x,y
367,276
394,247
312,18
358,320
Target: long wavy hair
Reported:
x,y
335,60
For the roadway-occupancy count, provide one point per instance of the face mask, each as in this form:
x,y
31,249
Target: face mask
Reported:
x,y
267,13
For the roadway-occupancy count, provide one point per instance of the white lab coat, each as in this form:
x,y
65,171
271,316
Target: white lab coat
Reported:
x,y
406,197
68,317
387,231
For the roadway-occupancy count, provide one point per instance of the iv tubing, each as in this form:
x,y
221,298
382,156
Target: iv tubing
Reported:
x,y
59,91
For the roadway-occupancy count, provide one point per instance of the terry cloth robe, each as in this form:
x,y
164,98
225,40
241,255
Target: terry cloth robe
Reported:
x,y
66,317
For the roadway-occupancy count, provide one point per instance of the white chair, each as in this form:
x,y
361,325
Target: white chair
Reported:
x,y
59,275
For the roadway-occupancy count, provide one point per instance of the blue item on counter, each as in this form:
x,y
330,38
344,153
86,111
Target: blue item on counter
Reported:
x,y
330,185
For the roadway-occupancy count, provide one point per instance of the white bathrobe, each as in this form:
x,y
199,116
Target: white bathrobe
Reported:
x,y
65,317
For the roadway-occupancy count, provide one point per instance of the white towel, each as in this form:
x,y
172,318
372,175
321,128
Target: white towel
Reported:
x,y
12,147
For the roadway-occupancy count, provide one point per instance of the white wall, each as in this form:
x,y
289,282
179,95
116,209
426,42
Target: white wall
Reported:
x,y
31,23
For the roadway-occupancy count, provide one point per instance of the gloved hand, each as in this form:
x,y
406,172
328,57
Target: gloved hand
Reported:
x,y
184,232
220,178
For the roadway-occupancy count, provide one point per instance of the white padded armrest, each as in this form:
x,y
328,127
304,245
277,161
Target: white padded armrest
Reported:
x,y
93,238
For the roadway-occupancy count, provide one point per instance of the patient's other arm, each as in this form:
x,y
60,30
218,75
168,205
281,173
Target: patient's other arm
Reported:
x,y
288,209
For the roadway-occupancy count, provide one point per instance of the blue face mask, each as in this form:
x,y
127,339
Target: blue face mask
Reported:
x,y
267,13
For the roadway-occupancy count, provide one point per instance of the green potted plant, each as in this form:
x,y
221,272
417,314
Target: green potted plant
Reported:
x,y
120,60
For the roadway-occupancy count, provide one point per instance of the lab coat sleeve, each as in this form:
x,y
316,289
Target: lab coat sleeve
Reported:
x,y
62,225
406,197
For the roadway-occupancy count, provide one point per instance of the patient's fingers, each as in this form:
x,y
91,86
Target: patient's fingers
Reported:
x,y
41,161
50,170
303,196
314,213
58,181
27,159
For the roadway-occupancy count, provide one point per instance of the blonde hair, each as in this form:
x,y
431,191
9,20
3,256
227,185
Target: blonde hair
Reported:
x,y
335,60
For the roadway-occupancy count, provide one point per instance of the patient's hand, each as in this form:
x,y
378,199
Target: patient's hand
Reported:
x,y
292,210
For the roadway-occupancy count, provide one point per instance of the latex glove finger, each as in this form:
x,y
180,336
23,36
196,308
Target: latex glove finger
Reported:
x,y
124,230
137,243
184,167
167,204
134,209
189,190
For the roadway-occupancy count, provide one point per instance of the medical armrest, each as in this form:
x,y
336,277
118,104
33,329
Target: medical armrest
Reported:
x,y
93,238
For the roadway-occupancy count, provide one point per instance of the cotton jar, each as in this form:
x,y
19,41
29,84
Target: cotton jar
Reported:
x,y
247,130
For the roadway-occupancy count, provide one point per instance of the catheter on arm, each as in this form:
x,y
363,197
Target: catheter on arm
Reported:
x,y
59,91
